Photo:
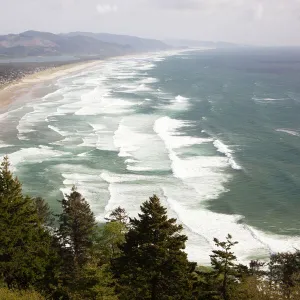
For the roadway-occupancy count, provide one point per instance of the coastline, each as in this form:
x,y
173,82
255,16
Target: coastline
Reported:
x,y
9,92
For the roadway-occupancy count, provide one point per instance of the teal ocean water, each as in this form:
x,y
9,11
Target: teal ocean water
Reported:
x,y
216,134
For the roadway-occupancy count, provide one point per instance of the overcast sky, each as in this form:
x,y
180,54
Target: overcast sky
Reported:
x,y
265,22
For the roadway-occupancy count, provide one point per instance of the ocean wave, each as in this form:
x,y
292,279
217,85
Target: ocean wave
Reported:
x,y
104,106
148,80
60,132
292,132
202,173
139,169
268,99
207,225
110,177
35,155
146,67
222,148
168,130
180,103
136,140
3,145
127,140
136,88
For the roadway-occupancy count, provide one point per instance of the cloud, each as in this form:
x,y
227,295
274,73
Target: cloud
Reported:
x,y
106,8
179,4
259,11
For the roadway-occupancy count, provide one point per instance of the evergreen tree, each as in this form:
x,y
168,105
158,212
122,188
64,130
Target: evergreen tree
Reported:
x,y
24,242
77,227
44,212
118,215
223,263
109,237
284,272
76,235
152,263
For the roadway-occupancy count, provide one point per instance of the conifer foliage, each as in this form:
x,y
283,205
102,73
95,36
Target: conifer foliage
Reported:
x,y
76,234
137,259
77,227
24,243
152,264
223,262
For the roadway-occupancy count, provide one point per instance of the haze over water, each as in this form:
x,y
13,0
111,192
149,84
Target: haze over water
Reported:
x,y
215,134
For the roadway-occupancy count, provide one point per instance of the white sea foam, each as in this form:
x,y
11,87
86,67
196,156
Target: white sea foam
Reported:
x,y
99,140
34,155
97,127
90,185
129,160
110,177
146,67
222,148
148,80
205,174
208,225
136,139
268,99
99,102
139,169
128,140
3,145
168,130
139,88
180,103
40,113
57,130
289,131
70,141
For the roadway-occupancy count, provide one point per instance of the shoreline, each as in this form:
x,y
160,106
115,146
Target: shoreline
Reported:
x,y
11,91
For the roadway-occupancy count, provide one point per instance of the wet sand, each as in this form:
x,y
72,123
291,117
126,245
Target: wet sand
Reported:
x,y
10,92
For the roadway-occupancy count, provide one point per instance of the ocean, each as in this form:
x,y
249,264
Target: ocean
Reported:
x,y
215,134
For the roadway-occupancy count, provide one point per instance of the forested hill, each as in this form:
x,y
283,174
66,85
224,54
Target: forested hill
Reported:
x,y
135,43
35,43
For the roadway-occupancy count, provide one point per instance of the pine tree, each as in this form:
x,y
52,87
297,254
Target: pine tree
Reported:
x,y
118,215
152,263
76,234
44,212
284,272
24,242
223,263
77,227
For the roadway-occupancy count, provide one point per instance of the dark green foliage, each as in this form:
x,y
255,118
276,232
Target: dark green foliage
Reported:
x,y
152,263
141,258
118,215
24,242
255,268
76,228
284,272
109,237
207,285
76,237
44,212
223,262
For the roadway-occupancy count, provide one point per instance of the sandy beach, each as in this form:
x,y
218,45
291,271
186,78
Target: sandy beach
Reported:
x,y
11,91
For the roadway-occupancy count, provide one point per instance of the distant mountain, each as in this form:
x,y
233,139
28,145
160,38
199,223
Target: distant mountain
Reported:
x,y
196,44
136,43
35,43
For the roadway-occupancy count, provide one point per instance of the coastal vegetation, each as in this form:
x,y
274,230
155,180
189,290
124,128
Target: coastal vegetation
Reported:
x,y
71,256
